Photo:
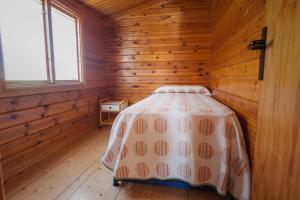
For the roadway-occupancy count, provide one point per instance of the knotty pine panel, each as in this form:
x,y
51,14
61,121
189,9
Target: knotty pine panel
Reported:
x,y
34,124
167,43
234,69
111,7
112,35
2,192
29,126
172,9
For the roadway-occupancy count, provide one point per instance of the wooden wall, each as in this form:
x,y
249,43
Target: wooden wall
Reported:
x,y
2,192
277,162
35,123
164,44
234,75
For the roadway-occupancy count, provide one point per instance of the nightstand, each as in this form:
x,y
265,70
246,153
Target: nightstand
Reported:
x,y
110,109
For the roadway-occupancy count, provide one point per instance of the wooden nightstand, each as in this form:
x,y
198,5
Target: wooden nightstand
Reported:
x,y
111,109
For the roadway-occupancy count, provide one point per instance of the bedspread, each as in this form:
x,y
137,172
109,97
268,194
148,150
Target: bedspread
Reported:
x,y
183,136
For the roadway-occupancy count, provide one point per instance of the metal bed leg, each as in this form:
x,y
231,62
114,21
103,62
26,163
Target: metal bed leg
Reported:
x,y
115,182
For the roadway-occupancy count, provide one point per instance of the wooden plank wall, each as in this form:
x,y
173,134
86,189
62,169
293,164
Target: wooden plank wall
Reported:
x,y
164,44
234,75
34,126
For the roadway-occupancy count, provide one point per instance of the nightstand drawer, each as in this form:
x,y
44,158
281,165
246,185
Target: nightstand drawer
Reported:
x,y
113,108
110,109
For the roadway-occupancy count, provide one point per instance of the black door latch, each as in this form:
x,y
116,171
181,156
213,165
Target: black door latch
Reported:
x,y
260,45
257,45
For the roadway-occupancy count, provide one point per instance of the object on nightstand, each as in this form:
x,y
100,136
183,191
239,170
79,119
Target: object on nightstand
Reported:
x,y
111,108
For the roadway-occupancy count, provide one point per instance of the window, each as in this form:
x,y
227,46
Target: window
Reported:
x,y
23,40
40,42
65,45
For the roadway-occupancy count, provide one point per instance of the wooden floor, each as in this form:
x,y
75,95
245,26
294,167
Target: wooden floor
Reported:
x,y
76,173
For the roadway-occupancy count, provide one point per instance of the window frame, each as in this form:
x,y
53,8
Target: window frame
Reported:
x,y
7,85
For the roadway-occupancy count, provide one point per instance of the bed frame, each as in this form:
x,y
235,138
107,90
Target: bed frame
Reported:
x,y
169,183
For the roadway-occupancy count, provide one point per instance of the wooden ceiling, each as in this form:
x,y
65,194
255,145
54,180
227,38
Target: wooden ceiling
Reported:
x,y
112,7
116,9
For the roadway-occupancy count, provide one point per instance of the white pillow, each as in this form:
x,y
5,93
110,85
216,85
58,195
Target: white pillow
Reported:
x,y
183,89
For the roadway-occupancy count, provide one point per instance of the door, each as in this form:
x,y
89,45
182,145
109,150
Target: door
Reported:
x,y
277,157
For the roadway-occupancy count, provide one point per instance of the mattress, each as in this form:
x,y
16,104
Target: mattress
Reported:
x,y
183,136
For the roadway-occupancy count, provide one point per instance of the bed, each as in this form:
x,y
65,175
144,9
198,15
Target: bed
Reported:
x,y
180,133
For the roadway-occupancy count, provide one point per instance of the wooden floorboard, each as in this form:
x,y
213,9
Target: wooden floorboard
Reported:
x,y
30,175
76,173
